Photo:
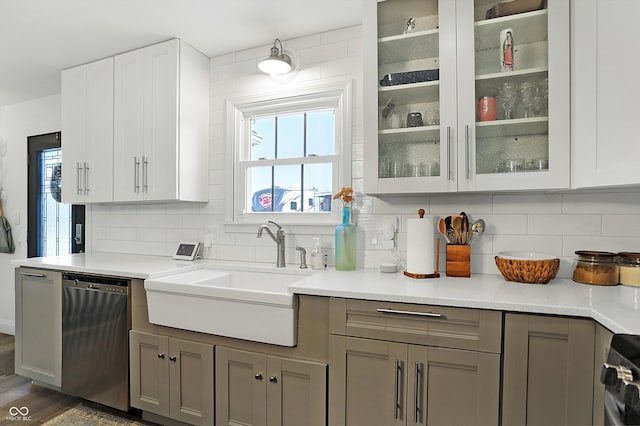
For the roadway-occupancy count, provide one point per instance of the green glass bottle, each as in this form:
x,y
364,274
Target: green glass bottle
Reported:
x,y
345,248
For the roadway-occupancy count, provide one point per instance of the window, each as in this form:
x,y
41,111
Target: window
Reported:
x,y
291,154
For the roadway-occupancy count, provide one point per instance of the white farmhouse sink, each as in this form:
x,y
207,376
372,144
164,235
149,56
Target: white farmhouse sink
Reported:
x,y
250,304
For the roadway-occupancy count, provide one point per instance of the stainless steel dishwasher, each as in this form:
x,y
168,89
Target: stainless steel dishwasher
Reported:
x,y
96,319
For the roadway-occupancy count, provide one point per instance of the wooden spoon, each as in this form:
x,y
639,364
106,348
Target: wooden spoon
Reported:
x,y
442,228
456,224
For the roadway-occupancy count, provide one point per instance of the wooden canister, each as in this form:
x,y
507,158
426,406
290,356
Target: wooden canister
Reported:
x,y
458,260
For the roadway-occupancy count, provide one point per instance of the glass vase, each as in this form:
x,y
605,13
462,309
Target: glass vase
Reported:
x,y
346,242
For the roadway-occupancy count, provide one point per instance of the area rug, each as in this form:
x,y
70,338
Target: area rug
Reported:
x,y
82,415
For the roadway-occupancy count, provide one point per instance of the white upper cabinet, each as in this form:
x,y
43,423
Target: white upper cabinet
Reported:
x,y
161,124
605,148
469,121
87,133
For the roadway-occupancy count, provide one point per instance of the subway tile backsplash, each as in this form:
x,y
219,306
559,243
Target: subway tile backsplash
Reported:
x,y
553,223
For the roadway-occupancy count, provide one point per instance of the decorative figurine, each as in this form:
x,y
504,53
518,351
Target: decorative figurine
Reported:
x,y
506,49
411,24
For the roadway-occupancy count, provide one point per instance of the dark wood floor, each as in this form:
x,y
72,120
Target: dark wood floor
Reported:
x,y
17,391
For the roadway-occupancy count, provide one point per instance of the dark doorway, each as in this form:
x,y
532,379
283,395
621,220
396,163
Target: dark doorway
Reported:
x,y
53,228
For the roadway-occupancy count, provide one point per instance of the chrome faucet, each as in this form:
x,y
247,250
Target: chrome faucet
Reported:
x,y
278,237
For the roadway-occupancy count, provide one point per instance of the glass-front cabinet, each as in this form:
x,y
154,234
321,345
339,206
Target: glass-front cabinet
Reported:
x,y
464,95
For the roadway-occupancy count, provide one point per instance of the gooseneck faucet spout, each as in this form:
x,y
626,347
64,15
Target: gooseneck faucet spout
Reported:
x,y
278,238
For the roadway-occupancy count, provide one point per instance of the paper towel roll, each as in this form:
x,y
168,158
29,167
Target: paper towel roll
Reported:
x,y
420,245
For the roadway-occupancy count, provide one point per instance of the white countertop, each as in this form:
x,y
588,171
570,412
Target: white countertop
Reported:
x,y
615,307
115,264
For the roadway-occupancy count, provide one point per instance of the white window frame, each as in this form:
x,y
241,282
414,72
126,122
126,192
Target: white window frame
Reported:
x,y
335,95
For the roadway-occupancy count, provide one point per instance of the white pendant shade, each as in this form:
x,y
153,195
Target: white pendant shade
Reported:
x,y
274,66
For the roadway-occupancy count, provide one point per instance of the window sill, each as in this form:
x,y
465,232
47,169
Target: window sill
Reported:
x,y
295,228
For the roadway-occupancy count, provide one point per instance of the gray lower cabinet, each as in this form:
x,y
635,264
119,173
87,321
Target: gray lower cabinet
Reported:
x,y
548,370
408,364
172,378
376,382
257,389
38,340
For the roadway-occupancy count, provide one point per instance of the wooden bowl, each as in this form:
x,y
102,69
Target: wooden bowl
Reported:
x,y
524,267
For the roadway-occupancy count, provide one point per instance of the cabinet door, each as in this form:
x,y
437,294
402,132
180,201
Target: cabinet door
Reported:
x,y
513,97
548,370
128,125
241,380
149,372
74,122
191,382
367,382
296,392
38,343
160,156
98,164
410,133
604,93
441,381
87,132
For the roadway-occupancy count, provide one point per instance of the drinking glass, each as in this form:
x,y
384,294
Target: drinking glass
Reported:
x,y
543,87
527,91
538,105
508,96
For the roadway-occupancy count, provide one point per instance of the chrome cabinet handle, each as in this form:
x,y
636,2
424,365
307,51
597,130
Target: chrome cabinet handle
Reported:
x,y
86,179
145,177
273,379
397,406
161,356
78,187
258,376
417,387
173,358
466,152
32,275
449,153
136,168
400,312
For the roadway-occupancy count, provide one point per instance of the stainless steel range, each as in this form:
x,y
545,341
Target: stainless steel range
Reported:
x,y
621,376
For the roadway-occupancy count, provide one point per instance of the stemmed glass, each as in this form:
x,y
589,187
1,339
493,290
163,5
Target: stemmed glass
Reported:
x,y
508,96
543,88
527,91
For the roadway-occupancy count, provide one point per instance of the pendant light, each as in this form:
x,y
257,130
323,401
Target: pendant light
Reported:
x,y
278,62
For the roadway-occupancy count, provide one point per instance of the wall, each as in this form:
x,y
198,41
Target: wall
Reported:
x,y
555,223
17,122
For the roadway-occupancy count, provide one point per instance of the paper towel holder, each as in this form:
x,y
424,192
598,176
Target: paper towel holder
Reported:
x,y
436,273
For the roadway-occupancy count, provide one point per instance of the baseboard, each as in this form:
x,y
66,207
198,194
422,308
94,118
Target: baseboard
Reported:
x,y
7,327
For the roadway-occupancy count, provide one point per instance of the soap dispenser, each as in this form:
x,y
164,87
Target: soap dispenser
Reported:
x,y
316,255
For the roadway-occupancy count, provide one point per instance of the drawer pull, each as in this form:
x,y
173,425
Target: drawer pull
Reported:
x,y
32,274
400,312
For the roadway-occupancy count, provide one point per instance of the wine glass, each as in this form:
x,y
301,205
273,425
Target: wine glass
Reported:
x,y
543,87
527,90
538,102
508,96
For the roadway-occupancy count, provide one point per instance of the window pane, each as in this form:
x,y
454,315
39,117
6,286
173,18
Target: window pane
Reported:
x,y
259,189
263,138
320,133
287,182
290,135
317,184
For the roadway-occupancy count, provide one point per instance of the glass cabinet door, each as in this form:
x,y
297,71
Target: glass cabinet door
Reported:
x,y
414,117
512,129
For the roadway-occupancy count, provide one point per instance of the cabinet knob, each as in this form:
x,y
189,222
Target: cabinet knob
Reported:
x,y
612,375
172,358
258,376
631,394
161,356
273,379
